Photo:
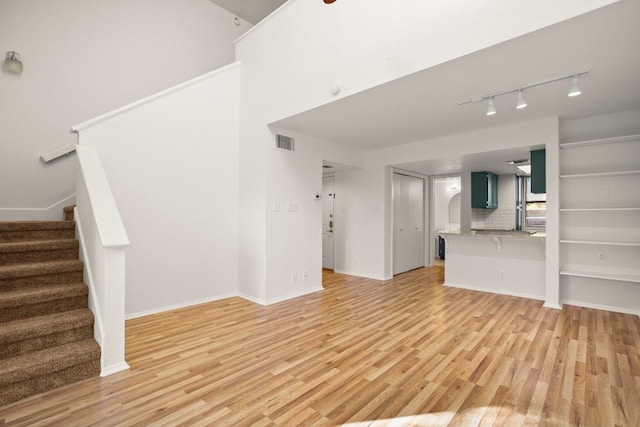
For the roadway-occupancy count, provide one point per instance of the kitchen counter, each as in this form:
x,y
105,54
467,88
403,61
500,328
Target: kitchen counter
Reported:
x,y
499,261
513,234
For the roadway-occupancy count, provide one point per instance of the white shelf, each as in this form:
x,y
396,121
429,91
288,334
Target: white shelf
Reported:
x,y
594,242
600,174
599,209
605,276
579,144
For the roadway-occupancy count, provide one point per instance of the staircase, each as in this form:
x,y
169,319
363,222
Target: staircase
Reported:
x,y
46,329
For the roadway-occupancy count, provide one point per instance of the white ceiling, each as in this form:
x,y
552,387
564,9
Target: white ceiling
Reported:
x,y
252,11
424,105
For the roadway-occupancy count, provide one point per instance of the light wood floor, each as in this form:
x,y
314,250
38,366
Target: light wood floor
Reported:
x,y
406,351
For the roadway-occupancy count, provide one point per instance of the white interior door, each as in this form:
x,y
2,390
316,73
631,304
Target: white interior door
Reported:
x,y
328,198
408,223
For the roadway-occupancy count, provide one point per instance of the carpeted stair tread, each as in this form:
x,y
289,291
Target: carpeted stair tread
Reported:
x,y
38,245
17,231
20,297
43,362
36,225
33,251
39,268
44,325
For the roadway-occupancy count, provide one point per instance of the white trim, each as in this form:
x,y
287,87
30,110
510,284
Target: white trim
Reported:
x,y
265,302
115,368
88,277
221,297
178,306
496,291
118,111
254,300
364,276
58,152
552,305
52,212
293,295
105,210
615,309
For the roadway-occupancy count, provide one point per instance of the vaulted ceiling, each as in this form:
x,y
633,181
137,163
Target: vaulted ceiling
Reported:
x,y
252,11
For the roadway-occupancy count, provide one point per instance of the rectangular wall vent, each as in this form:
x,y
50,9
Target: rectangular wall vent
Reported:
x,y
284,142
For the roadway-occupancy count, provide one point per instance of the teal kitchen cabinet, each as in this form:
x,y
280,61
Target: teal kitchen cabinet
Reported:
x,y
484,190
538,172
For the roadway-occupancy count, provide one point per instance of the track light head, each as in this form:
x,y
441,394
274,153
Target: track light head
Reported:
x,y
521,103
491,109
575,87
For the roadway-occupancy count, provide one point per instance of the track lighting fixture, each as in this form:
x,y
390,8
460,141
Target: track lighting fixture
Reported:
x,y
491,109
575,87
521,102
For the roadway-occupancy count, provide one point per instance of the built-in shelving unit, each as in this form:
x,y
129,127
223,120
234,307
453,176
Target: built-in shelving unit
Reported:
x,y
600,223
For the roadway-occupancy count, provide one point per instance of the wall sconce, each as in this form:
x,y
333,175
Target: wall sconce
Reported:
x,y
12,63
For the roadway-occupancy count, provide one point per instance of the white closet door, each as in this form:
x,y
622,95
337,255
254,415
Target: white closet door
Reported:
x,y
408,223
416,222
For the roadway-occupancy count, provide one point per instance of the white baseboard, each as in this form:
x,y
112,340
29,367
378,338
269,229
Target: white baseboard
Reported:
x,y
178,306
364,276
112,369
614,309
496,291
254,300
50,213
294,295
221,297
287,297
552,305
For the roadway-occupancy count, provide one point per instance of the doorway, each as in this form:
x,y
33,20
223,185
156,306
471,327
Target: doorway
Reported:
x,y
408,222
328,199
446,211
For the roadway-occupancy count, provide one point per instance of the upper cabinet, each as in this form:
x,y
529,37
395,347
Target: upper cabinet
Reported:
x,y
484,190
538,172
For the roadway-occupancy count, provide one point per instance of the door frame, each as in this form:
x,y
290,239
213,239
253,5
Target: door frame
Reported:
x,y
332,176
432,208
426,214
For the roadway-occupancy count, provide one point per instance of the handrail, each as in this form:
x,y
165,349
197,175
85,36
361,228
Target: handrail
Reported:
x,y
110,227
58,152
118,111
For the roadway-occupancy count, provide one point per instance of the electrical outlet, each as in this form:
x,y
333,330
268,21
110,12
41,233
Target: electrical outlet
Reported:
x,y
501,274
305,275
294,277
601,256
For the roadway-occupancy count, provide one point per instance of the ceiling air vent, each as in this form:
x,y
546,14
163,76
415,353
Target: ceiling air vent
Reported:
x,y
284,142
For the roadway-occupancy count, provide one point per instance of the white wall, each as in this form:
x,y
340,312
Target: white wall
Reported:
x,y
172,165
444,190
83,58
291,63
300,214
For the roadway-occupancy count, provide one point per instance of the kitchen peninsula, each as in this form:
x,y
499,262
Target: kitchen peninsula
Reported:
x,y
498,261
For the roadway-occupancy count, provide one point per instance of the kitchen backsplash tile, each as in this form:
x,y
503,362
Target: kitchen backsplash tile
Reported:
x,y
503,217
